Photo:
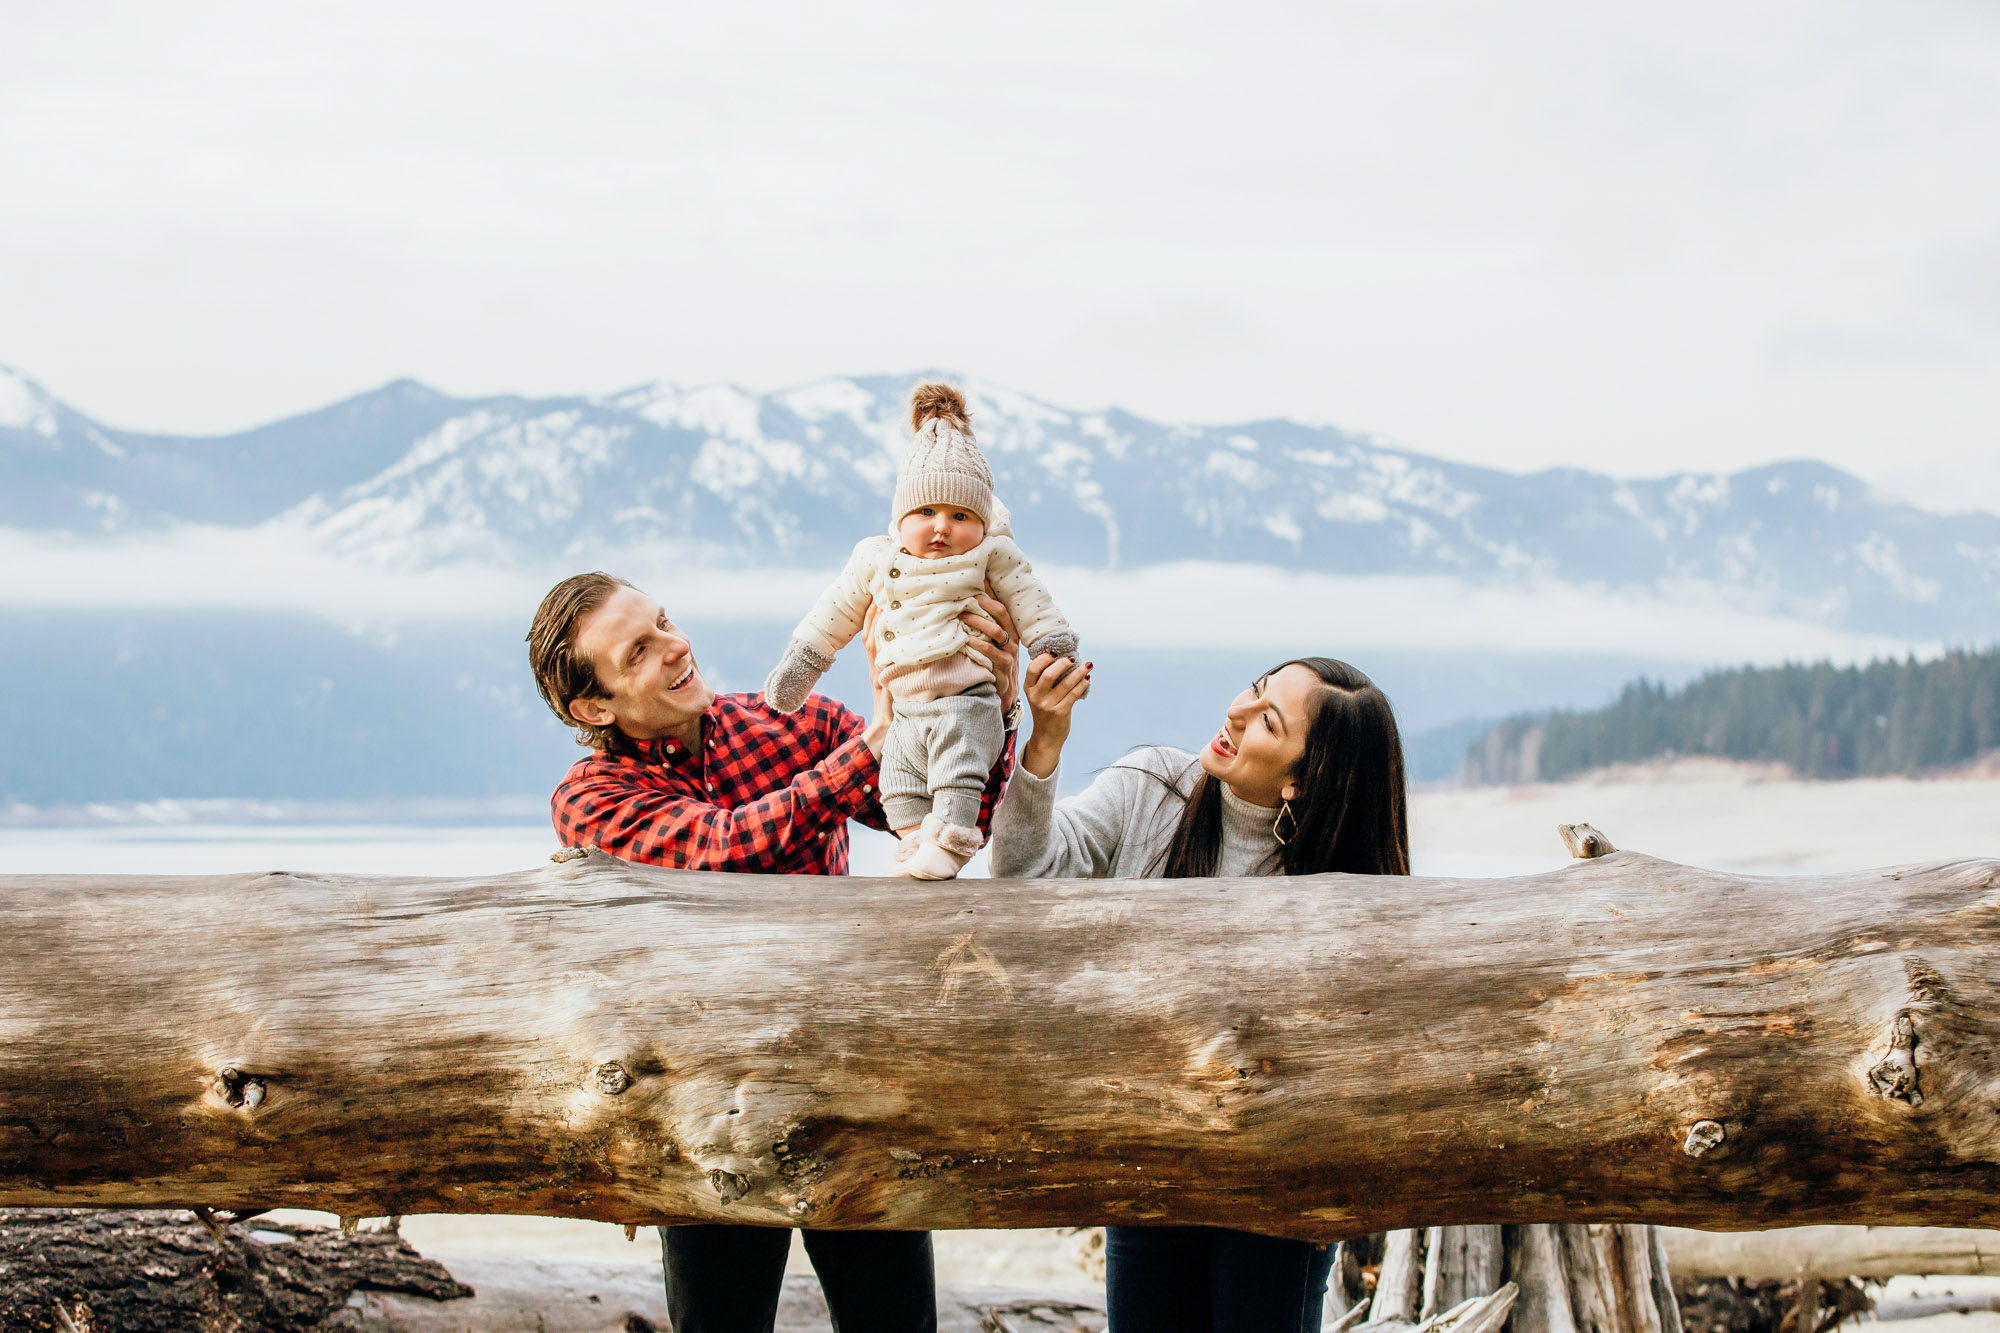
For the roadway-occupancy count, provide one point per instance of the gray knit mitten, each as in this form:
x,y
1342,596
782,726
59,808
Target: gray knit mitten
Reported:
x,y
1062,643
786,688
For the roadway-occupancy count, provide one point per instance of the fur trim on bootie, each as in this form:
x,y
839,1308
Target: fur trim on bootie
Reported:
x,y
930,861
960,841
936,850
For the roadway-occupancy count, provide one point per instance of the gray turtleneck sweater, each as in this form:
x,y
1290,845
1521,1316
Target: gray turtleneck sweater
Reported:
x,y
1116,827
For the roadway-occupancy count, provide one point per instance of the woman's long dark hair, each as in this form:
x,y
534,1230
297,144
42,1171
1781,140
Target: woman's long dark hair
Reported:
x,y
1350,810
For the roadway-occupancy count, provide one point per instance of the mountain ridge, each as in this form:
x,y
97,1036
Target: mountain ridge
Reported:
x,y
408,476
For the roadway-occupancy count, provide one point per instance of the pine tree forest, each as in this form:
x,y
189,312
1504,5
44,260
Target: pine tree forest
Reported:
x,y
1821,720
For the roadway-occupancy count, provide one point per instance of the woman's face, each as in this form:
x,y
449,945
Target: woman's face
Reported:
x,y
1263,735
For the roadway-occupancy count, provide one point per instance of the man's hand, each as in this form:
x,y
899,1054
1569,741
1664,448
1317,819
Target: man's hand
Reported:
x,y
998,644
878,724
1055,684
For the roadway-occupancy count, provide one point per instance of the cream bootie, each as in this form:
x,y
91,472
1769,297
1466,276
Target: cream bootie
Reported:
x,y
937,850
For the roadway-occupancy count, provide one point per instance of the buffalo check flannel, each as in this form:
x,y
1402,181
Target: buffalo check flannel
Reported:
x,y
766,792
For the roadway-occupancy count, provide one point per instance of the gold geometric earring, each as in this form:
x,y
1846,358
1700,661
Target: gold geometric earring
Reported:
x,y
1277,825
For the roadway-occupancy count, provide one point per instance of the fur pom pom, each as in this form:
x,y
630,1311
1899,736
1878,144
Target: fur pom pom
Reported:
x,y
940,402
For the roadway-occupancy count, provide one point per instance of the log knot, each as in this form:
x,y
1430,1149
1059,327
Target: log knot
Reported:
x,y
240,1089
1895,1075
1701,1136
611,1079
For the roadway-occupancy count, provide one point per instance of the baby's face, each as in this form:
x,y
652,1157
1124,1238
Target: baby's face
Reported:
x,y
936,531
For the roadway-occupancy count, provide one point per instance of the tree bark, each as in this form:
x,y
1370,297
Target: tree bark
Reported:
x,y
1622,1041
124,1272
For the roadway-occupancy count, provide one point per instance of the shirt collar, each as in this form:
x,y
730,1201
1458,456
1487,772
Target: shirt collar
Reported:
x,y
672,752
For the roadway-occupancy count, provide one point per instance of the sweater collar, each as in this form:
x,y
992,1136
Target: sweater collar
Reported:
x,y
1250,825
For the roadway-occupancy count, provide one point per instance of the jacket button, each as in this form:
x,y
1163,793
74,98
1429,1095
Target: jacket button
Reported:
x,y
894,605
895,573
888,634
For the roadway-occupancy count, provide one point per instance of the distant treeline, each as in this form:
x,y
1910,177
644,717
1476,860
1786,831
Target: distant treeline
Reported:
x,y
1823,721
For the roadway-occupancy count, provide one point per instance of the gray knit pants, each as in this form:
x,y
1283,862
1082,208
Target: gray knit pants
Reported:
x,y
941,751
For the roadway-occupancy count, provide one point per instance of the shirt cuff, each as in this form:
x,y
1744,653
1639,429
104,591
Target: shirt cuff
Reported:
x,y
1021,774
852,774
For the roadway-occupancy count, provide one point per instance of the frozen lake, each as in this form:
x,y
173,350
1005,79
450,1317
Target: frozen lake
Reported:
x,y
1695,811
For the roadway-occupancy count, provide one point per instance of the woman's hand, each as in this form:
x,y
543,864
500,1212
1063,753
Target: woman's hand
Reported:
x,y
998,644
885,707
1055,684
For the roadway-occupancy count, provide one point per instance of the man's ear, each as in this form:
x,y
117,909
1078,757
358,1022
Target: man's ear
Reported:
x,y
591,712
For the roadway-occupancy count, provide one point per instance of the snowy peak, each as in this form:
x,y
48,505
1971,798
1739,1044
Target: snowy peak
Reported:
x,y
409,477
25,405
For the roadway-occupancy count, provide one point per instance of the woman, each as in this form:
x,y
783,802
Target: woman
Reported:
x,y
1304,776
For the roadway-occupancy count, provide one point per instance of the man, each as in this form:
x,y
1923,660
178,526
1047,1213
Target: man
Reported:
x,y
680,776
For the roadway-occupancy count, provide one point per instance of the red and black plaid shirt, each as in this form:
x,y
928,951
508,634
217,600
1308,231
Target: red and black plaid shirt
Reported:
x,y
769,792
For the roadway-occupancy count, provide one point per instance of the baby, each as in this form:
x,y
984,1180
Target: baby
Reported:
x,y
948,540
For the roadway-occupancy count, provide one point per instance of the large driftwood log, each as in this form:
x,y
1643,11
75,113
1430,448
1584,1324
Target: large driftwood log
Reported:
x,y
1625,1040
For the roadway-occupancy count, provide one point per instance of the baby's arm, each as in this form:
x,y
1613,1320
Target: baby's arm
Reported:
x,y
1041,625
830,626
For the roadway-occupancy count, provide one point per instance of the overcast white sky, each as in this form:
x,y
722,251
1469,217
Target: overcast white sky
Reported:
x,y
1630,237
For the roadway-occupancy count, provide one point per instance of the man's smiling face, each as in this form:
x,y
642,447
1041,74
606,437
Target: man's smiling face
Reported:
x,y
647,668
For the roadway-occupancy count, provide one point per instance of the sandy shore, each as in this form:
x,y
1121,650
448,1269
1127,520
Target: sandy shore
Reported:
x,y
1042,1260
1710,813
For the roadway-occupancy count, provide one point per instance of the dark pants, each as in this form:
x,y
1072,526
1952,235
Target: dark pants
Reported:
x,y
1208,1280
728,1279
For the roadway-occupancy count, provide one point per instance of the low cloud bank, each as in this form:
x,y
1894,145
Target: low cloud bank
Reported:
x,y
1199,605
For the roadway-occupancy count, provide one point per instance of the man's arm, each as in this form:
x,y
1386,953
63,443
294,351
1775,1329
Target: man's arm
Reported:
x,y
634,822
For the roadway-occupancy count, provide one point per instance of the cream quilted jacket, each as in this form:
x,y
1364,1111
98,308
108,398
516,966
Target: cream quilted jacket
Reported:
x,y
921,601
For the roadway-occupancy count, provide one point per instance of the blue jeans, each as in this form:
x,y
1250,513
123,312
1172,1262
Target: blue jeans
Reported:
x,y
1210,1280
727,1279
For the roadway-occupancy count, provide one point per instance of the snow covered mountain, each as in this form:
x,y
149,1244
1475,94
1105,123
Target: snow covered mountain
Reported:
x,y
411,478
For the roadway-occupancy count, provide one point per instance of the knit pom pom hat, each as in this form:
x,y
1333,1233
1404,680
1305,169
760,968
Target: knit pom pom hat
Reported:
x,y
944,466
